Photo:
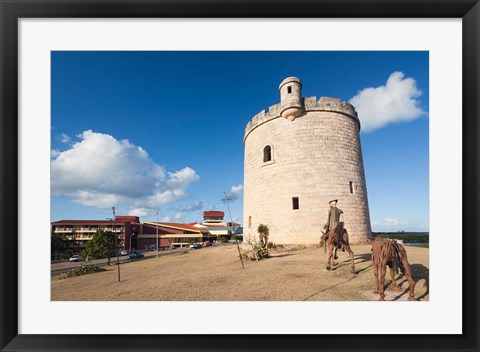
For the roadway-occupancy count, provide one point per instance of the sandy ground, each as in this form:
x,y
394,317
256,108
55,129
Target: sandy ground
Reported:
x,y
216,274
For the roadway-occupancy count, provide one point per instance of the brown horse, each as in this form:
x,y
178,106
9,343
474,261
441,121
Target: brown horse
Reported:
x,y
392,254
334,240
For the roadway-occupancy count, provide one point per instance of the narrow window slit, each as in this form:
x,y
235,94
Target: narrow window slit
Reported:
x,y
267,153
295,203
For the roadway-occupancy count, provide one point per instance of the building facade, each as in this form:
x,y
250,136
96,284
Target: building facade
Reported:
x,y
213,217
173,234
299,155
214,223
75,234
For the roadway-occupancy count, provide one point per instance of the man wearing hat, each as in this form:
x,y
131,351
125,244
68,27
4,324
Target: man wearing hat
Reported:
x,y
333,215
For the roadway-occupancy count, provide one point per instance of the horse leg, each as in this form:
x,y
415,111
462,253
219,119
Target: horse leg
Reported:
x,y
350,252
381,274
411,282
375,273
330,255
394,282
334,256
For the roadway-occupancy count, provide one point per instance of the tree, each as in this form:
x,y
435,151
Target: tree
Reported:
x,y
263,236
56,243
102,245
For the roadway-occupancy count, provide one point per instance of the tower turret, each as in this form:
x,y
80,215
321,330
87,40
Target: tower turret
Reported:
x,y
291,98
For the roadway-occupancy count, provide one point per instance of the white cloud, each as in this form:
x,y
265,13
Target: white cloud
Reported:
x,y
54,153
394,224
235,192
396,101
64,138
101,171
140,212
188,208
391,221
166,219
94,199
171,188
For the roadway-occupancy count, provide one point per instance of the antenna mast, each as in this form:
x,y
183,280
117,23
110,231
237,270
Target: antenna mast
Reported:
x,y
234,231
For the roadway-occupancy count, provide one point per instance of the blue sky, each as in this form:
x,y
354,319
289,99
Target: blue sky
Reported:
x,y
147,131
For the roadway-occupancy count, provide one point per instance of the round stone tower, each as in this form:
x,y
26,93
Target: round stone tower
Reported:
x,y
299,155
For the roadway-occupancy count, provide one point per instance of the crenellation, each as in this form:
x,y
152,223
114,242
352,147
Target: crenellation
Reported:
x,y
309,104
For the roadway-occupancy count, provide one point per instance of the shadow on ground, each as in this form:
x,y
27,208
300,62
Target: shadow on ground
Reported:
x,y
281,255
357,259
420,274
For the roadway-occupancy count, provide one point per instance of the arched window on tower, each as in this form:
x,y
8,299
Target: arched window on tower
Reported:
x,y
267,154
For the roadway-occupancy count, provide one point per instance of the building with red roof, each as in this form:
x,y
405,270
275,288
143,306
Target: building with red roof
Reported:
x,y
214,223
133,234
178,235
213,216
76,234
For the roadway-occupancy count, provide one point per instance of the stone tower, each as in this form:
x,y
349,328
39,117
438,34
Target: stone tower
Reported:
x,y
299,155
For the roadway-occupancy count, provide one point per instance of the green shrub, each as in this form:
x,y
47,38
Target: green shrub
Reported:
x,y
65,255
81,270
261,251
271,245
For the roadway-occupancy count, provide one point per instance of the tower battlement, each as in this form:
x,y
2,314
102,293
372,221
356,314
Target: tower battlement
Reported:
x,y
308,104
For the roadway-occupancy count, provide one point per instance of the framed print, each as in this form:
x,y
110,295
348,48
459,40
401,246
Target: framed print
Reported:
x,y
113,110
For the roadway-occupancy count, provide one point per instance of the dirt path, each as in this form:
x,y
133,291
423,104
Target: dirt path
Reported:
x,y
215,274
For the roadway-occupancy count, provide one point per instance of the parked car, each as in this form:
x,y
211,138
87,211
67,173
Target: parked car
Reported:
x,y
74,258
135,255
195,246
123,252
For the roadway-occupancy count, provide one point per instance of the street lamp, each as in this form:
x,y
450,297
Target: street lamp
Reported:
x,y
157,235
116,243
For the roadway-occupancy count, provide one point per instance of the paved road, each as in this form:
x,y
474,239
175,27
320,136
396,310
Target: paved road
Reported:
x,y
58,268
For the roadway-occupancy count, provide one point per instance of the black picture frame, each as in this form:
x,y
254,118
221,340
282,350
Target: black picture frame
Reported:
x,y
11,11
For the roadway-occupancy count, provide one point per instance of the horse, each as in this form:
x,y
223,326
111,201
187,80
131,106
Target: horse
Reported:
x,y
334,240
390,253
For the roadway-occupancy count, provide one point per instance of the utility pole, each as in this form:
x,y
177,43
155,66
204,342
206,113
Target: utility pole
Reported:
x,y
116,243
234,231
131,242
157,235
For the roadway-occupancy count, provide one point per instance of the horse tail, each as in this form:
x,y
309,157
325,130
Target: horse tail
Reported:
x,y
338,234
402,255
396,260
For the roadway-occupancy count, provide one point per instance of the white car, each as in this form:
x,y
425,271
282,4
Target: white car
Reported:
x,y
123,252
75,258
